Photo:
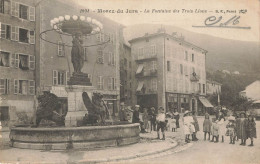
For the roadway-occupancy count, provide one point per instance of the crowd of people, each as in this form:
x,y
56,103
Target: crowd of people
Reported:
x,y
237,127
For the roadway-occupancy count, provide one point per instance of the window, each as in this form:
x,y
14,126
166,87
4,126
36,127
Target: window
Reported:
x,y
111,37
130,64
4,59
100,37
154,84
203,88
192,58
4,86
153,50
111,59
23,11
168,66
100,57
140,51
181,68
60,49
100,82
59,77
23,35
90,77
23,87
186,55
23,62
154,66
5,31
5,6
112,83
199,87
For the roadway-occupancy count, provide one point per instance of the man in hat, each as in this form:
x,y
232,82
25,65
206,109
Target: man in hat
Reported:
x,y
135,118
153,119
122,112
161,124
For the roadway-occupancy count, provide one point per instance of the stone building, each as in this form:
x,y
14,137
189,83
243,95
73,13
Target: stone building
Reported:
x,y
30,65
17,60
213,87
168,71
125,74
101,63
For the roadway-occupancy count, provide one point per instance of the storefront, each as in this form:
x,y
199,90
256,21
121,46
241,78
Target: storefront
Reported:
x,y
204,106
177,102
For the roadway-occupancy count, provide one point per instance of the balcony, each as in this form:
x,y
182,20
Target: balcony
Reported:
x,y
145,57
151,73
194,77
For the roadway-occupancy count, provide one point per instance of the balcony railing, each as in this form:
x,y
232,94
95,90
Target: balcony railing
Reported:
x,y
145,56
151,73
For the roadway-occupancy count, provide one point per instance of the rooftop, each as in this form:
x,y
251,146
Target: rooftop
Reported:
x,y
173,37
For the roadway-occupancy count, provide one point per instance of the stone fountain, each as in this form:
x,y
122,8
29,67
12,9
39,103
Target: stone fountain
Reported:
x,y
81,100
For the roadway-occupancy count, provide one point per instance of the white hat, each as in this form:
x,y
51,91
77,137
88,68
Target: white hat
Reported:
x,y
186,112
176,113
137,106
122,103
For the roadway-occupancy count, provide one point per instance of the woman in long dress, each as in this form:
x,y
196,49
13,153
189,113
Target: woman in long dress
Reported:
x,y
222,125
242,128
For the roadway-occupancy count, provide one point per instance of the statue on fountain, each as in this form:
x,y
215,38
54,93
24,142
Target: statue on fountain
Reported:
x,y
77,53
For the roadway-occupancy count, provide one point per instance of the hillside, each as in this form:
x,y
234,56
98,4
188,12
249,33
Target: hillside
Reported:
x,y
222,54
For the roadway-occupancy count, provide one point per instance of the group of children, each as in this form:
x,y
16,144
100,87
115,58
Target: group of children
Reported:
x,y
237,128
190,126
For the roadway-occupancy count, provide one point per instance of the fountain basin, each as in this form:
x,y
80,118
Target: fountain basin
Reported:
x,y
63,138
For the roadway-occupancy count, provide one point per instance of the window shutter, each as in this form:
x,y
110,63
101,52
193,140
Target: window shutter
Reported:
x,y
32,62
16,64
17,9
32,13
103,83
67,77
55,77
0,30
31,37
16,86
12,8
31,87
16,33
7,86
2,86
109,58
13,31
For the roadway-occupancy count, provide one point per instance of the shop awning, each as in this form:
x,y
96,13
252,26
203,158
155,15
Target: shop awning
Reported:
x,y
205,102
140,86
256,102
140,68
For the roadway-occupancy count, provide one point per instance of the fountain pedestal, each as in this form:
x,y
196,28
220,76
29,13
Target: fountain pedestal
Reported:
x,y
76,107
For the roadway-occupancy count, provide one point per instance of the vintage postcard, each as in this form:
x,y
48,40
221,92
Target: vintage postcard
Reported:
x,y
130,81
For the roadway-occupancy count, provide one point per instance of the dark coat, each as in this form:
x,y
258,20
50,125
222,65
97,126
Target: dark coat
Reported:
x,y
122,115
251,129
136,117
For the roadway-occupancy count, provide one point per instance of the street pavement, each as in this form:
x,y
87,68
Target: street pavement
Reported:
x,y
148,150
205,152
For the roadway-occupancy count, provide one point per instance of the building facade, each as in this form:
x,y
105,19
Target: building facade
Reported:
x,y
125,74
30,65
101,62
169,72
213,87
252,91
17,60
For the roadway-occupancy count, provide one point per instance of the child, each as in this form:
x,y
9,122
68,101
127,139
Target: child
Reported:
x,y
160,119
215,129
207,126
188,125
171,123
231,129
221,124
251,129
168,121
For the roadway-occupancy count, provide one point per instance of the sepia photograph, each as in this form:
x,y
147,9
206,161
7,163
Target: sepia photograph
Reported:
x,y
130,81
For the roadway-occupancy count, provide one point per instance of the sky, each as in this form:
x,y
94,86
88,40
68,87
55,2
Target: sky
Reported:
x,y
184,19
